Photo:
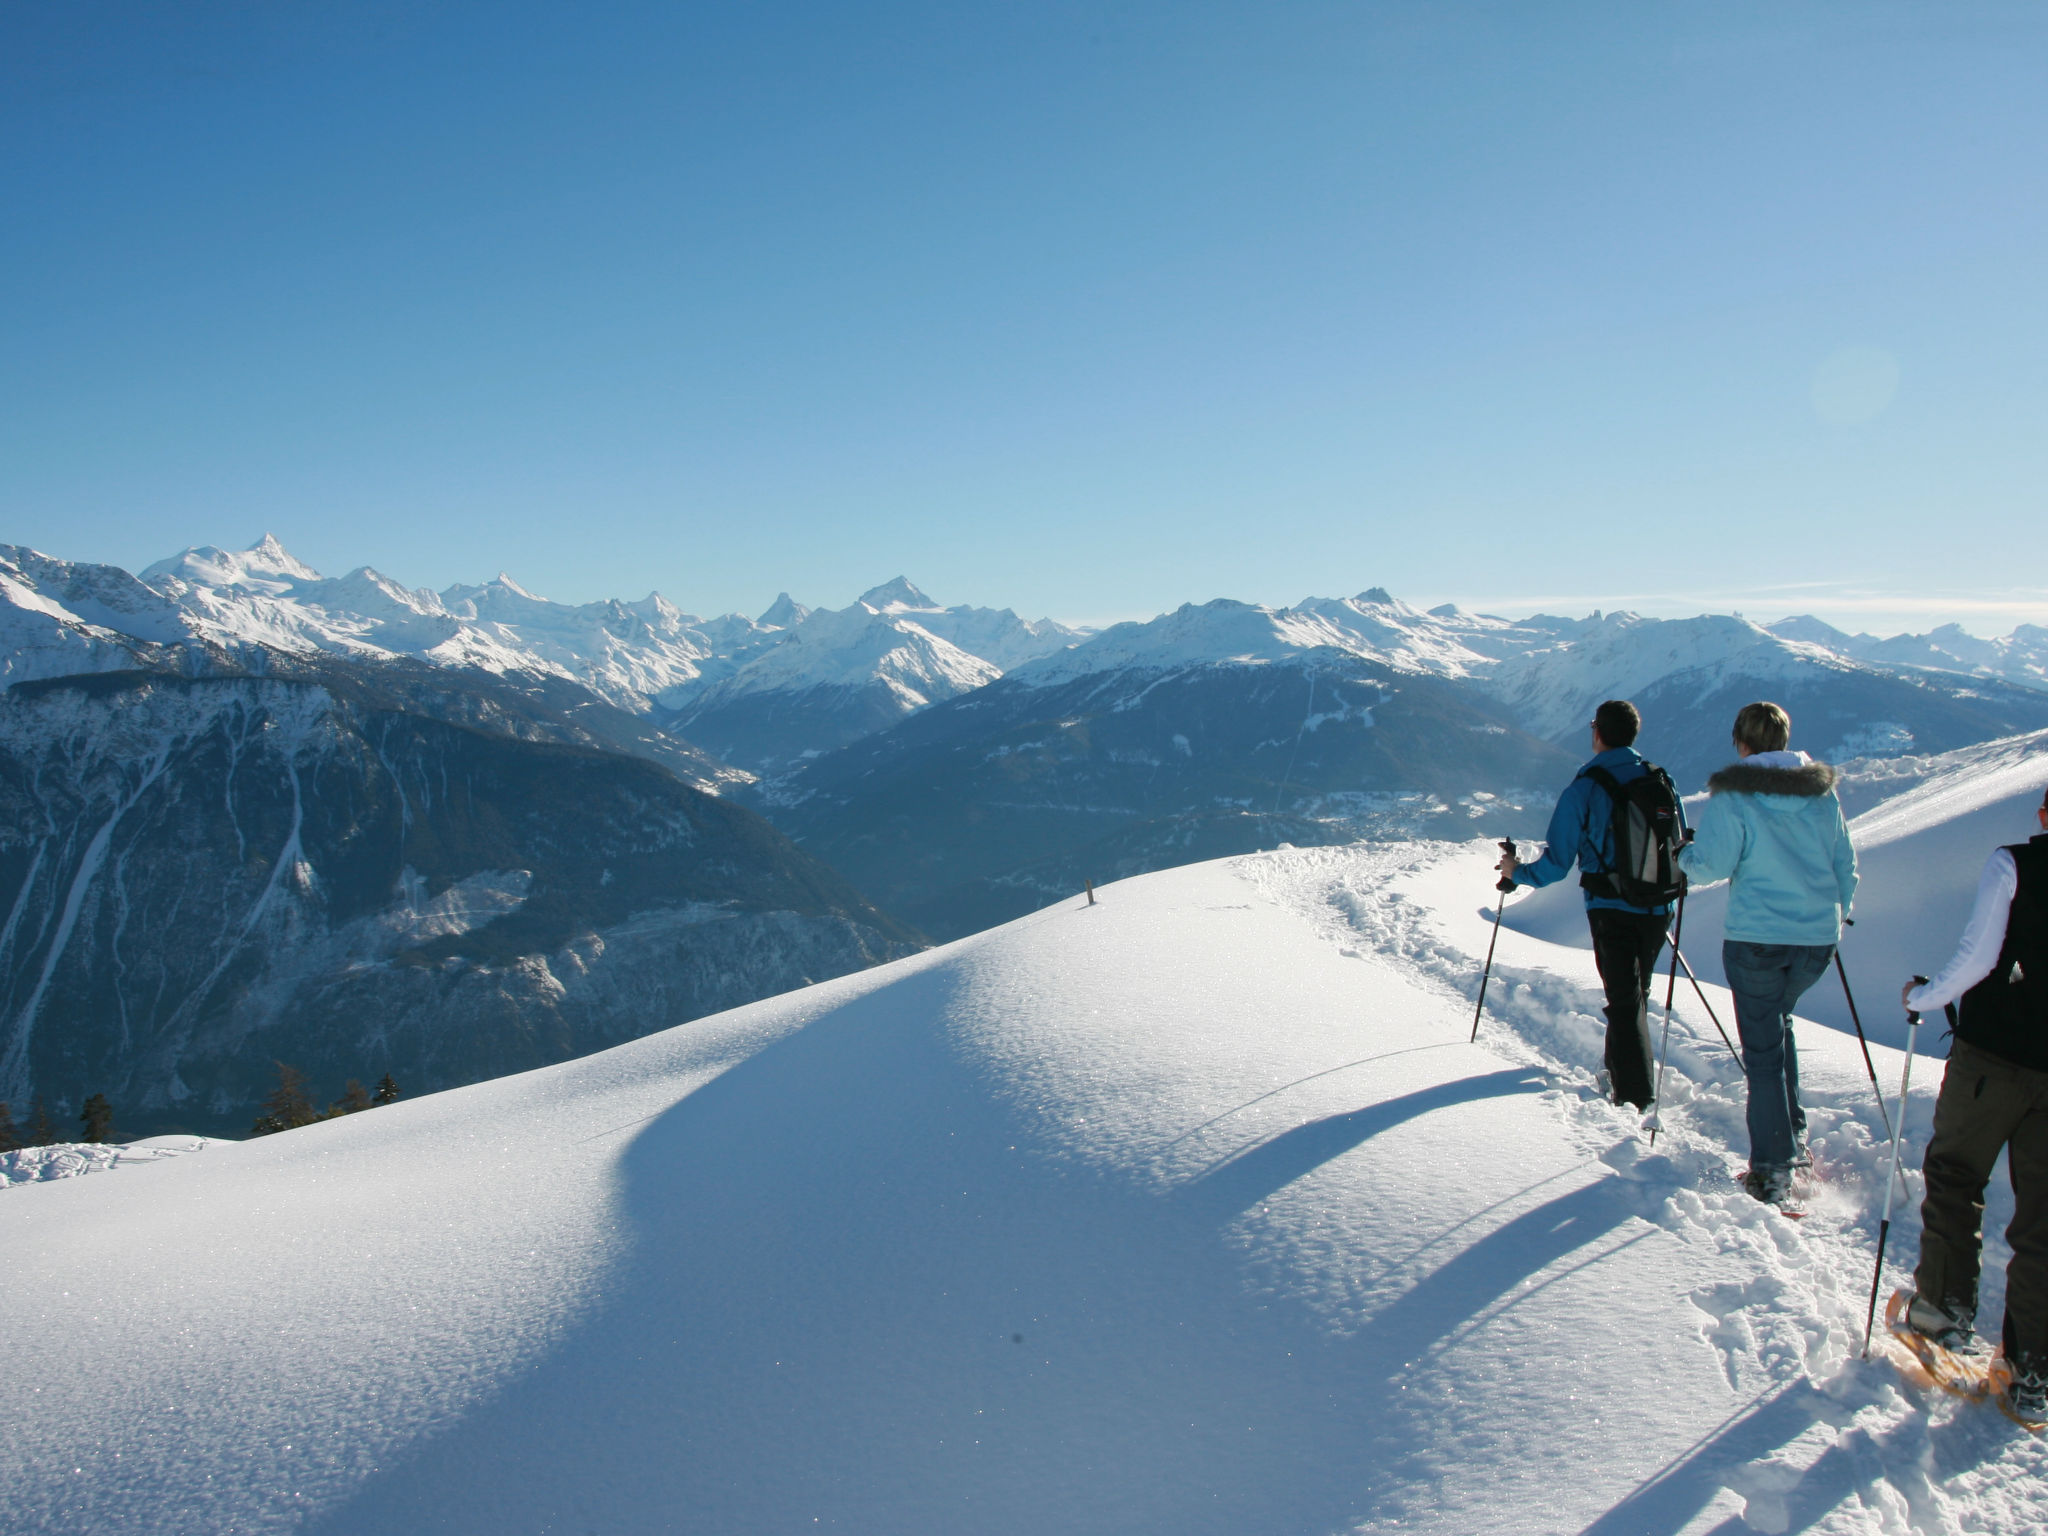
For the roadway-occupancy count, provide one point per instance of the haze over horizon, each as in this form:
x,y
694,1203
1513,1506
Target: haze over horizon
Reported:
x,y
1083,313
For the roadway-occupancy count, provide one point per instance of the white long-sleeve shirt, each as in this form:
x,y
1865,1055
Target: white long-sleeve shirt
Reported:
x,y
1982,940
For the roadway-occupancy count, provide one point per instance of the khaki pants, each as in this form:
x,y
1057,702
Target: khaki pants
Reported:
x,y
1987,1104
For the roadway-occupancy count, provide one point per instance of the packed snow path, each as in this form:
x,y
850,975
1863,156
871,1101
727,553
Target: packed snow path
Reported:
x,y
1192,1211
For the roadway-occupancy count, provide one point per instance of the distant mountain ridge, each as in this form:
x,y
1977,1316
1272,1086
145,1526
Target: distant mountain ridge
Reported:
x,y
738,680
962,764
768,693
1226,727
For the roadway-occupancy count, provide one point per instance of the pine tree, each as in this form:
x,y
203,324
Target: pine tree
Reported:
x,y
387,1091
353,1098
289,1105
98,1117
9,1142
41,1133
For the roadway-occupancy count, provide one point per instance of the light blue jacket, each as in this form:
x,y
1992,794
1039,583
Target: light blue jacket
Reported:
x,y
1775,833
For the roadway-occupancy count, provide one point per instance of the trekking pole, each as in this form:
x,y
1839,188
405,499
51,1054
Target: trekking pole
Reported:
x,y
1664,1049
1679,955
1868,1065
1503,885
1884,1226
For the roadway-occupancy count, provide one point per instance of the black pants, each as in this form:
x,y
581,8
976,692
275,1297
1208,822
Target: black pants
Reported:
x,y
1625,948
1987,1103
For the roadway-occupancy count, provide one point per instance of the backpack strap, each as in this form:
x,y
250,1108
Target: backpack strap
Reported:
x,y
1599,881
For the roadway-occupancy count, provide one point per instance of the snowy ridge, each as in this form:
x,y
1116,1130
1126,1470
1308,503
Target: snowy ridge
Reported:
x,y
1550,672
1618,655
1953,785
852,647
1224,632
624,652
1188,1212
2020,657
893,635
60,620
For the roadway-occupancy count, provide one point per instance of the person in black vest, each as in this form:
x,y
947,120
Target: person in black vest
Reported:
x,y
1626,938
1994,1095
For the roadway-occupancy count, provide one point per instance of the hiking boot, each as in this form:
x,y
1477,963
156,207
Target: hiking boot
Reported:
x,y
2023,1394
1950,1326
1773,1186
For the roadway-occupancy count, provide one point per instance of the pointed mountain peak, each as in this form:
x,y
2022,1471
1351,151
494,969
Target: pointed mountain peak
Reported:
x,y
505,581
271,558
785,613
1378,595
897,596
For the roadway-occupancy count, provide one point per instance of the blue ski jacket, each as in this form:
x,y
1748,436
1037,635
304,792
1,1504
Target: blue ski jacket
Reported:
x,y
1580,832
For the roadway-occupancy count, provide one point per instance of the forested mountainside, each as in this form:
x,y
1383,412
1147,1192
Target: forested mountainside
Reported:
x,y
201,876
992,804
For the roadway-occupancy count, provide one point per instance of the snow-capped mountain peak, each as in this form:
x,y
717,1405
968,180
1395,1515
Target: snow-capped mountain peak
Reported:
x,y
265,566
898,596
784,613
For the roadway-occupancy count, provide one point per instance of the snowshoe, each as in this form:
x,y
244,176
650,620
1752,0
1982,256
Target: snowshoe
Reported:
x,y
1946,1349
2022,1396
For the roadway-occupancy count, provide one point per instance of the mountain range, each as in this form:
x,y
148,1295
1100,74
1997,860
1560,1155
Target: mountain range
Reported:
x,y
927,770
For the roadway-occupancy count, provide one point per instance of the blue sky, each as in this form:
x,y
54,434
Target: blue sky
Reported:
x,y
1087,310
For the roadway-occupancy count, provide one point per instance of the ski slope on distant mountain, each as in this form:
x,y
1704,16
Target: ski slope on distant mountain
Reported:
x,y
1191,1211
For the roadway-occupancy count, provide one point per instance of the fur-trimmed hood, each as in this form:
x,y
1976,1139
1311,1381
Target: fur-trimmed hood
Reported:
x,y
1809,781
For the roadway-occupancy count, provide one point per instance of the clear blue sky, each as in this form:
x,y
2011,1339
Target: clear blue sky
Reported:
x,y
1084,309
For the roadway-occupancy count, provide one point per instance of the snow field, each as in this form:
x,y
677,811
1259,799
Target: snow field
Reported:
x,y
1874,1453
1192,1211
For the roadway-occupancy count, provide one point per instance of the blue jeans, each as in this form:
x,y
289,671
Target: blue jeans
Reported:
x,y
1767,979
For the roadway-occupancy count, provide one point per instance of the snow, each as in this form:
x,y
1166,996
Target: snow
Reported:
x,y
67,1160
1190,1211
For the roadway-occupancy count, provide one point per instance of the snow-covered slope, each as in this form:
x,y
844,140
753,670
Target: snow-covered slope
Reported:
x,y
61,619
1190,1211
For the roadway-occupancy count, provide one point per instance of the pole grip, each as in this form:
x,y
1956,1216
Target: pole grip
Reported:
x,y
1506,883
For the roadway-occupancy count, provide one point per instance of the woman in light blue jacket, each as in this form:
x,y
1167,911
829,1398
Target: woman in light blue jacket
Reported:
x,y
1774,831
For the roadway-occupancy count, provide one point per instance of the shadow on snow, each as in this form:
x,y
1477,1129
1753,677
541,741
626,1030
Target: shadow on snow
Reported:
x,y
865,1286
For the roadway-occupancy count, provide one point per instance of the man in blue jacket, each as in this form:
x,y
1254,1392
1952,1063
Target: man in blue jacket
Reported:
x,y
1626,939
1774,831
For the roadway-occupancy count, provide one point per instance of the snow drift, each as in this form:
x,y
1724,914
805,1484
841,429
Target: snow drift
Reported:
x,y
1191,1211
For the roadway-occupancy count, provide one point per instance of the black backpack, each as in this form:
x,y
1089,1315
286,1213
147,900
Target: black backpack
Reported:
x,y
1644,836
